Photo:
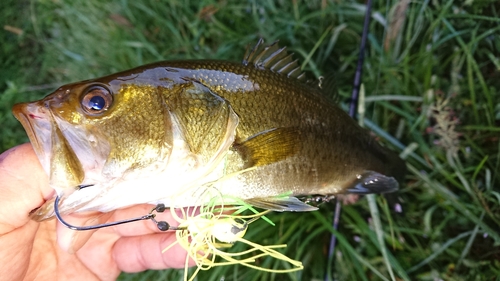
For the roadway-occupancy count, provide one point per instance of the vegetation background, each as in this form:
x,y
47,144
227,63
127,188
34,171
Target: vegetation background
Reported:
x,y
431,82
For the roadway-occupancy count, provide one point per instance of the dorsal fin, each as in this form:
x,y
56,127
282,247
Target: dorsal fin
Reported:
x,y
273,58
328,85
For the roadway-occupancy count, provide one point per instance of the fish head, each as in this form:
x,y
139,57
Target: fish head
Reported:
x,y
96,131
55,127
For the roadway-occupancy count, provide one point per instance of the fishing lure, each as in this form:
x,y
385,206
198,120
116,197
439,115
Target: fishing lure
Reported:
x,y
208,235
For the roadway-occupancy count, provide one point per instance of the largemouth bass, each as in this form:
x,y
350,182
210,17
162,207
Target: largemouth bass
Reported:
x,y
167,132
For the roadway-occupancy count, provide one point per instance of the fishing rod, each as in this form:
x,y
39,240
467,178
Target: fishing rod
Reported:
x,y
352,112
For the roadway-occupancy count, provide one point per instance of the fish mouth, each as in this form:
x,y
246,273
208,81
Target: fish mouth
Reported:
x,y
68,153
37,123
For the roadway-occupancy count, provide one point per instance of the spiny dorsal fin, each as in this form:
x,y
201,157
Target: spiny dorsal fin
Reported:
x,y
274,58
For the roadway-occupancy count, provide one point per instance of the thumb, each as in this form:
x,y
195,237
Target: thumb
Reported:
x,y
23,185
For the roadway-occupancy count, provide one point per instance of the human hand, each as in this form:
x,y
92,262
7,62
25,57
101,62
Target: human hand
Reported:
x,y
49,251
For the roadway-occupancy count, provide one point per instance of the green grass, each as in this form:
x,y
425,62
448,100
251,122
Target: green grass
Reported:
x,y
449,227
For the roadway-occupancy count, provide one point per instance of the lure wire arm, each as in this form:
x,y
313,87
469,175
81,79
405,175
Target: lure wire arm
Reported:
x,y
162,225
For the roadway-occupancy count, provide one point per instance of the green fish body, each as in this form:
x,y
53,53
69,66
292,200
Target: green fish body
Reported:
x,y
184,132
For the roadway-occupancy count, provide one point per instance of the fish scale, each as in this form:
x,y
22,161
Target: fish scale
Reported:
x,y
255,130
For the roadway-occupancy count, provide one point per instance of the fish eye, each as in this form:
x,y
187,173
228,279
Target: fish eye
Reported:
x,y
96,100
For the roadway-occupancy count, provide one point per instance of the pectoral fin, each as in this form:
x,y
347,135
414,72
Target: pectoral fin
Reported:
x,y
270,146
208,122
286,204
372,182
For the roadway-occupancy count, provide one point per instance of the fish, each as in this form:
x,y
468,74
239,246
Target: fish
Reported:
x,y
173,131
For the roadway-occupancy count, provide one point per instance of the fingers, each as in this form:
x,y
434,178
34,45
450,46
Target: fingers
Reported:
x,y
134,254
132,247
71,240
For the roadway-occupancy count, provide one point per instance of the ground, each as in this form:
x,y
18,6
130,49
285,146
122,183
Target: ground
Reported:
x,y
431,79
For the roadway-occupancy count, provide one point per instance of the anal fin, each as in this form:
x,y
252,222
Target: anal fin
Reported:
x,y
281,204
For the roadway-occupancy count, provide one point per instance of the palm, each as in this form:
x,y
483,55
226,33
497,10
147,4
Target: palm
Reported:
x,y
33,250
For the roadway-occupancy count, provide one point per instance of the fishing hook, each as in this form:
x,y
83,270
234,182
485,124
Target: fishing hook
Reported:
x,y
160,208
